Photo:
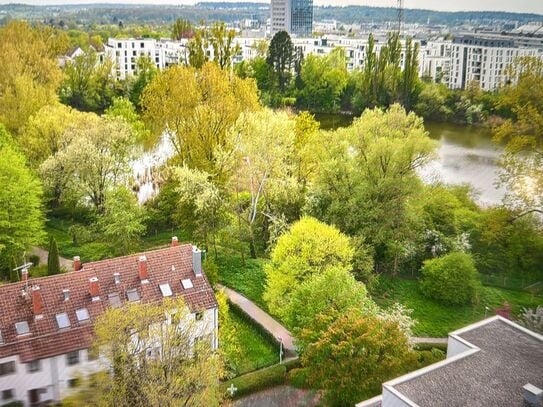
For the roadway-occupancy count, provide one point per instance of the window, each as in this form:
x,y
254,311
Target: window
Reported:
x,y
132,294
199,316
72,358
1,338
82,314
22,328
7,368
187,283
73,383
63,321
34,366
8,394
166,290
114,300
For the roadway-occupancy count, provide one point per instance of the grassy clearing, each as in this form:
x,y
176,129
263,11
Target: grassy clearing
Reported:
x,y
248,279
437,320
256,349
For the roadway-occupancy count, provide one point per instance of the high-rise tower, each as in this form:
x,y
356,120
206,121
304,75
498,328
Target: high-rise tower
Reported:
x,y
293,16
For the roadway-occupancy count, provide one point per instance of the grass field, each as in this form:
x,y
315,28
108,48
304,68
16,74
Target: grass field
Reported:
x,y
437,320
257,350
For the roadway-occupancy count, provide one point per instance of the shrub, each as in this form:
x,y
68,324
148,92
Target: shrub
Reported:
x,y
451,279
34,259
257,380
298,378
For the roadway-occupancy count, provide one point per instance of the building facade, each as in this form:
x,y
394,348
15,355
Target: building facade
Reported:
x,y
292,16
46,324
494,362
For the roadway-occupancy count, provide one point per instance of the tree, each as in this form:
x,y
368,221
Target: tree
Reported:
x,y
197,49
451,279
320,300
146,72
123,220
42,135
522,159
200,204
181,29
355,356
228,335
94,156
324,80
197,108
261,148
309,248
431,102
410,82
280,57
222,41
180,372
366,177
124,109
21,212
53,261
30,74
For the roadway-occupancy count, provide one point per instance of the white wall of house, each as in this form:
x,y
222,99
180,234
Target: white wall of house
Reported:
x,y
55,374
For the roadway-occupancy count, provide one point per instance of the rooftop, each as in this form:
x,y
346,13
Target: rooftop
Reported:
x,y
501,358
61,319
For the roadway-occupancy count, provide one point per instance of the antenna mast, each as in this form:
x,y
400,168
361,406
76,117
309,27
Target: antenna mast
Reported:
x,y
400,16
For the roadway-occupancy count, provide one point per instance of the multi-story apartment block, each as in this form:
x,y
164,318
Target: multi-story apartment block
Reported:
x,y
46,324
292,16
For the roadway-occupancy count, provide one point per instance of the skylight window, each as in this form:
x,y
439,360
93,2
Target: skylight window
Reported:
x,y
62,320
1,338
187,283
22,328
132,294
114,300
82,314
166,290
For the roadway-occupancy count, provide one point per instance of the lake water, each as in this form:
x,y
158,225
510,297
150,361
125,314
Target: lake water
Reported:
x,y
465,155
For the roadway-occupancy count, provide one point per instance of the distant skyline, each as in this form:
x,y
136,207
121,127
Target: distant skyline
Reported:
x,y
518,6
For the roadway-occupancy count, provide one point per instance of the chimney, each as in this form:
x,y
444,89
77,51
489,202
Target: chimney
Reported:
x,y
24,276
197,261
117,278
533,396
94,288
142,270
66,294
77,263
175,241
37,302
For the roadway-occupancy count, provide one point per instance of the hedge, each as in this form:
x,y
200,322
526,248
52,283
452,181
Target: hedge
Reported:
x,y
257,380
259,328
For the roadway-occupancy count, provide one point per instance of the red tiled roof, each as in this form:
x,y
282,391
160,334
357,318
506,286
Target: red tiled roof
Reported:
x,y
46,340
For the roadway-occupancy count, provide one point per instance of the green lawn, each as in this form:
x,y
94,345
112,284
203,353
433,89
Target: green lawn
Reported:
x,y
437,320
257,350
248,279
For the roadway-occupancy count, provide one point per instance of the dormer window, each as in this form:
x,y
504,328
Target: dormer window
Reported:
x,y
114,300
62,320
132,295
22,328
166,290
117,278
187,283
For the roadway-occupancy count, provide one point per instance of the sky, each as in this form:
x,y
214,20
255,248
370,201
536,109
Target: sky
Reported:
x,y
519,6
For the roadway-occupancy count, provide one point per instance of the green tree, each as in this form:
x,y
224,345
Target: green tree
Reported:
x,y
30,74
431,102
123,220
322,299
124,109
281,57
146,72
197,49
451,279
355,356
53,261
324,80
222,41
182,373
94,157
309,248
410,82
197,108
21,212
181,29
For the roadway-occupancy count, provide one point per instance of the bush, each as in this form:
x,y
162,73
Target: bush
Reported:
x,y
34,259
257,380
298,378
451,279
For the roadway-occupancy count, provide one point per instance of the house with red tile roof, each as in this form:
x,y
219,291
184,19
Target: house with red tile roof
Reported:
x,y
46,324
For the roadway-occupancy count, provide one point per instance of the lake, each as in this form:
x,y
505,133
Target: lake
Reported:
x,y
465,155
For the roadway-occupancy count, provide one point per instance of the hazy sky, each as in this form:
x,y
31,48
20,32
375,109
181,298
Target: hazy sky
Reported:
x,y
520,6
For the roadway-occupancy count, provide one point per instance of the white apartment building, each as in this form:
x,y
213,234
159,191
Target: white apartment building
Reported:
x,y
46,324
